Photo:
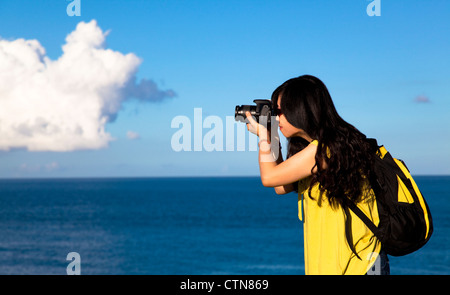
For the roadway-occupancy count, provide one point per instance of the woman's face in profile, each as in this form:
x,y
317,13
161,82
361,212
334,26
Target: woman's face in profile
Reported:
x,y
286,128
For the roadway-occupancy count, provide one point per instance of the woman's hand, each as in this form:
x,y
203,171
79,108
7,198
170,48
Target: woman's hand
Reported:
x,y
256,128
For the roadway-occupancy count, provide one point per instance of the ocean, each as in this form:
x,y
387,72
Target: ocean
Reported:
x,y
175,226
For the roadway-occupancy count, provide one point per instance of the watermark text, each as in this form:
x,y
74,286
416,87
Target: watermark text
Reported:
x,y
74,8
374,8
74,267
212,133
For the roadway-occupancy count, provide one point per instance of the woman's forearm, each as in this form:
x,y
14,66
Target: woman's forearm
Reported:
x,y
269,157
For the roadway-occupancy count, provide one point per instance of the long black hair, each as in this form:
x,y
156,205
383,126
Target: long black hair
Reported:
x,y
346,152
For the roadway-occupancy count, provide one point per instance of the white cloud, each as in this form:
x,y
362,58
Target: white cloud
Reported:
x,y
133,135
52,166
31,168
64,104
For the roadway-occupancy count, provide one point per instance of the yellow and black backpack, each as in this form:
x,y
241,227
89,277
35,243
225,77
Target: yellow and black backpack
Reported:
x,y
405,219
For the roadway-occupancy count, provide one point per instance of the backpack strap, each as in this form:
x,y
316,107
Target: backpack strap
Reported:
x,y
364,219
348,224
348,231
348,204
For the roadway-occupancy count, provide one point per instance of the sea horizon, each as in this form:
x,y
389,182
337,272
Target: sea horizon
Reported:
x,y
163,176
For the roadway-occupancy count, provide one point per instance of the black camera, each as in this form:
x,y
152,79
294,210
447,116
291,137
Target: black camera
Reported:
x,y
263,107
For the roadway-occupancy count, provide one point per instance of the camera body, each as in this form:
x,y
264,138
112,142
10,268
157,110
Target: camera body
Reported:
x,y
263,108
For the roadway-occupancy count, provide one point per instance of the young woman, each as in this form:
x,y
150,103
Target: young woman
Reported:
x,y
328,163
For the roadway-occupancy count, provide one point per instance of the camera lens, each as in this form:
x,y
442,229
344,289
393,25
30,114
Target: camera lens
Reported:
x,y
263,108
239,112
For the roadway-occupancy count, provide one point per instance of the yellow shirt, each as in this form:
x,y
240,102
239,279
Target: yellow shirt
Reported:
x,y
326,248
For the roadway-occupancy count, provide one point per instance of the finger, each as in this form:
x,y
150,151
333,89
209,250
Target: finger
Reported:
x,y
251,129
250,119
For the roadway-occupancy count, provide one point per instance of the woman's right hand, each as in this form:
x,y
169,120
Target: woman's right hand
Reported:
x,y
254,127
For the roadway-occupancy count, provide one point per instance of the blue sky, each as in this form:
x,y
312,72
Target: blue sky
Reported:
x,y
389,75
